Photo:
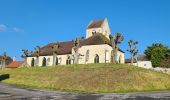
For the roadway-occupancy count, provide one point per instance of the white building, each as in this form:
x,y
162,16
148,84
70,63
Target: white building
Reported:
x,y
141,61
95,48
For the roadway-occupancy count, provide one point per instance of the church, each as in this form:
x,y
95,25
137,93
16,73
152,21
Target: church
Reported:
x,y
94,48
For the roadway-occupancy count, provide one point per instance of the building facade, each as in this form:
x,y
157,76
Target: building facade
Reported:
x,y
95,48
140,61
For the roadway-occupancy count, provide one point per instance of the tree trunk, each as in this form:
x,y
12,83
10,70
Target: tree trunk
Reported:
x,y
37,61
54,59
115,55
76,57
132,59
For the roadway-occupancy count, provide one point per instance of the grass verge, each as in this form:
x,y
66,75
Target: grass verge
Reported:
x,y
90,78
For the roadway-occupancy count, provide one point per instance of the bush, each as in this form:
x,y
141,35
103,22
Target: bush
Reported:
x,y
165,63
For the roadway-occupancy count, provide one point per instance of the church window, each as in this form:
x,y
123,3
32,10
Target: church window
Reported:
x,y
68,61
56,62
44,63
93,32
32,62
96,59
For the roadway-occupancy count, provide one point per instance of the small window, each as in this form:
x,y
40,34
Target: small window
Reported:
x,y
68,61
96,59
44,62
56,62
93,32
32,62
144,64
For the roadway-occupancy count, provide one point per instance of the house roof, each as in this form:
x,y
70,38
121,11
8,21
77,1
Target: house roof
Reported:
x,y
142,57
15,64
95,24
66,47
129,60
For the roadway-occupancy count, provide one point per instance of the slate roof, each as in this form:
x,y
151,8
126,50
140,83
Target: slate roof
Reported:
x,y
129,60
15,64
142,57
95,24
66,47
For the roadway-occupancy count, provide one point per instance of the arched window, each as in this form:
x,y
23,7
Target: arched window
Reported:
x,y
93,32
68,61
87,55
32,62
96,59
56,61
44,62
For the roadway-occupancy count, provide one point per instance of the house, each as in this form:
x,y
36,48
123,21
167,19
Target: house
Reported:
x,y
141,61
95,48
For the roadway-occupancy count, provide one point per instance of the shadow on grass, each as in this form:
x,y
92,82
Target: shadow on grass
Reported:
x,y
4,77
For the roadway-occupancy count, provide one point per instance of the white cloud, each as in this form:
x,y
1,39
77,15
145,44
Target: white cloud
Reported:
x,y
3,27
16,29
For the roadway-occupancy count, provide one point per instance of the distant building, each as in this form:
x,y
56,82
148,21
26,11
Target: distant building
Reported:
x,y
141,61
15,64
95,48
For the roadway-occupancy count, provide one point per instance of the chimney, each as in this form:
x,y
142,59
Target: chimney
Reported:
x,y
14,59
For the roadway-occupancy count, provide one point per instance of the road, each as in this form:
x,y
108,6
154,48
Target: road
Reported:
x,y
9,92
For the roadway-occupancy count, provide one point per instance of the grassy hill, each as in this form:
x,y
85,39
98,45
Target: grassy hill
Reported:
x,y
90,78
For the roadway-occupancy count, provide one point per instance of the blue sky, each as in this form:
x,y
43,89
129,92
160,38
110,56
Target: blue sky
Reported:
x,y
25,24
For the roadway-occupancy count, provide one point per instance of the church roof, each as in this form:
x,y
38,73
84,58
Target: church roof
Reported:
x,y
66,47
95,24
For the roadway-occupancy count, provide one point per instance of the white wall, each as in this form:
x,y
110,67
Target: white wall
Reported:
x,y
103,51
61,60
144,64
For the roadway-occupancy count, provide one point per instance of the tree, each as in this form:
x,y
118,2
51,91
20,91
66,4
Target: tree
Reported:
x,y
75,48
55,49
37,54
25,55
4,58
115,41
133,49
157,52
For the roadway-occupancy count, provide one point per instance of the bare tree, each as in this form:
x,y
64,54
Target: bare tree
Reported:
x,y
133,49
115,41
4,58
55,49
75,48
37,54
25,54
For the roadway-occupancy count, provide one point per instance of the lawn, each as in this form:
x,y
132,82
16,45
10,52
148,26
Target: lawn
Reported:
x,y
91,78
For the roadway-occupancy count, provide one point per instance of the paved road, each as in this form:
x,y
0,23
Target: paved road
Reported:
x,y
8,92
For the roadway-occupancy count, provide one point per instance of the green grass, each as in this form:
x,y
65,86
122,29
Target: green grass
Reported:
x,y
91,78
